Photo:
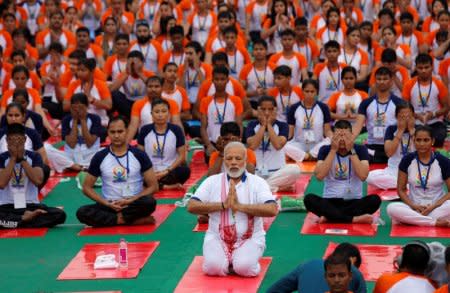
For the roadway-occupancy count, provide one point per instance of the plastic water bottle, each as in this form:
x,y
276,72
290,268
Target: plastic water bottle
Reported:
x,y
123,253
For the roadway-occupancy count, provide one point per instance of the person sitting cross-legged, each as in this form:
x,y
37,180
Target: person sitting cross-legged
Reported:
x,y
21,172
128,182
343,166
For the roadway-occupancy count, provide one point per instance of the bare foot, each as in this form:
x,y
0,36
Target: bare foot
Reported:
x,y
442,223
322,220
173,186
286,189
203,219
120,220
30,215
76,167
363,219
145,221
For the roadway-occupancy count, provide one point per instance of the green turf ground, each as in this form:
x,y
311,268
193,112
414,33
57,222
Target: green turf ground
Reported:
x,y
33,264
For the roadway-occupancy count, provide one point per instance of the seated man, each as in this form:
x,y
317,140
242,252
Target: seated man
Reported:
x,y
445,288
338,273
235,237
21,172
309,277
268,136
411,272
343,166
128,183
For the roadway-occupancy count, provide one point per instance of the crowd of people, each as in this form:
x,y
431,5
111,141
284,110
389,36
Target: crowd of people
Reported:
x,y
262,85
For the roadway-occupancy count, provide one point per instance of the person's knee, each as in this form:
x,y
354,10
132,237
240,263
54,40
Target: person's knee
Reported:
x,y
374,200
60,216
148,203
184,174
246,266
309,199
392,209
214,265
82,214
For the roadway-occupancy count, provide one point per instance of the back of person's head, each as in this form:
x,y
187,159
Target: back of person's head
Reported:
x,y
228,128
301,21
388,56
349,251
117,119
343,124
156,102
332,45
56,47
383,70
406,16
79,98
176,30
219,56
15,129
403,105
415,257
21,68
136,54
122,36
220,69
283,70
287,32
270,99
337,259
77,54
424,58
89,63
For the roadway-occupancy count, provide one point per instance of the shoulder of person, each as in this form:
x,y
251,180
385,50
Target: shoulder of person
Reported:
x,y
396,100
100,155
136,152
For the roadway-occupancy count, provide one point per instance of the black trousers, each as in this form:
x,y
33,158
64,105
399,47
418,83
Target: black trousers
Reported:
x,y
98,215
439,132
380,156
178,175
121,104
339,210
12,218
55,109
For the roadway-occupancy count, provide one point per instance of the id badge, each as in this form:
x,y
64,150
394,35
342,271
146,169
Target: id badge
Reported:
x,y
18,194
378,132
309,136
126,191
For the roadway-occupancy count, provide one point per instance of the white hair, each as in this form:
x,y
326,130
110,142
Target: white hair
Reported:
x,y
236,144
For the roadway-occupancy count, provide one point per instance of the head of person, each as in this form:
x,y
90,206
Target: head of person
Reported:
x,y
383,79
132,6
260,49
353,36
220,78
414,258
15,113
154,87
52,5
407,22
389,59
389,35
424,66
74,59
348,4
404,111
219,59
176,34
193,50
117,131
166,23
160,111
229,131
437,6
202,5
19,37
332,50
223,20
338,273
342,129
18,57
56,20
235,159
287,39
348,77
423,139
349,251
71,14
117,6
310,88
82,35
170,72
230,34
9,21
301,28
165,9
55,51
143,32
267,107
279,7
333,17
21,96
121,43
386,17
110,25
441,37
15,136
327,5
443,19
78,104
136,59
85,69
366,28
20,75
282,76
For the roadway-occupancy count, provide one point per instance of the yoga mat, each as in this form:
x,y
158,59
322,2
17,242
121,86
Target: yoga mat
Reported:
x,y
299,187
377,166
267,222
66,173
23,232
162,212
310,226
81,267
48,187
400,230
376,259
386,195
195,281
308,166
197,172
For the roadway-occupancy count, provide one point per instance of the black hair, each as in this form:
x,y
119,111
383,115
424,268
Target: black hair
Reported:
x,y
15,105
369,41
19,32
349,250
20,93
220,70
425,128
264,98
261,42
20,53
136,54
230,128
169,64
383,70
122,37
89,63
219,56
423,58
56,47
351,29
335,260
415,257
403,105
388,12
283,70
15,129
20,68
442,12
154,78
163,23
273,15
82,29
77,54
447,255
391,28
60,12
80,98
142,22
176,30
224,14
342,124
389,56
159,101
230,30
335,10
348,69
312,82
197,48
301,21
444,3
406,16
287,32
118,118
332,44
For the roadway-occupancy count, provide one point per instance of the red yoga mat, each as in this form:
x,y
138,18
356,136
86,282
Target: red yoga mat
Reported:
x,y
376,259
197,172
300,186
267,222
194,280
81,267
377,166
23,232
400,230
48,187
162,212
386,195
310,226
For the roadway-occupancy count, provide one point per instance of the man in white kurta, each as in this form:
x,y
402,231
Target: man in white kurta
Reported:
x,y
235,201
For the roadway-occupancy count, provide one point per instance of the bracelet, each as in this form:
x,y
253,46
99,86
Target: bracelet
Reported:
x,y
223,207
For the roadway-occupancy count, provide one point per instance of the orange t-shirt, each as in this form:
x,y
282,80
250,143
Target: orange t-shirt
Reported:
x,y
35,98
34,77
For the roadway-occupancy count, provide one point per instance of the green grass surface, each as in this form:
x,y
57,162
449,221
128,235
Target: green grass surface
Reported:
x,y
33,264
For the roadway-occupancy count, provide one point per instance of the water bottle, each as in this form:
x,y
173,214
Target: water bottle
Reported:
x,y
123,253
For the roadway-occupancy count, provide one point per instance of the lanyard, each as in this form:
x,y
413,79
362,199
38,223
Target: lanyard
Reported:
x,y
118,65
405,146
424,102
151,12
191,83
329,35
351,60
118,161
18,177
160,149
341,171
146,51
175,61
308,117
200,25
385,108
410,40
220,117
424,180
234,67
307,54
338,83
263,84
285,107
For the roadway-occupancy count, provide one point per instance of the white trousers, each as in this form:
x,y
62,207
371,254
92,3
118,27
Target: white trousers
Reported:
x,y
245,259
297,150
58,159
402,213
383,178
284,177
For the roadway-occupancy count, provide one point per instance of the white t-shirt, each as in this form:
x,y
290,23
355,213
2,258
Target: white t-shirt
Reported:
x,y
405,146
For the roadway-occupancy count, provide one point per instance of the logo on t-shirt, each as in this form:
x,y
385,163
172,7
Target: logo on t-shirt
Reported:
x,y
341,171
380,119
119,174
19,180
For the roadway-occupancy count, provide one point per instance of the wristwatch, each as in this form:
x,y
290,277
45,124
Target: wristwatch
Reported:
x,y
352,151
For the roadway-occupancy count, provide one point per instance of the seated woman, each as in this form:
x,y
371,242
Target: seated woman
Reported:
x,y
309,125
425,174
128,182
165,144
343,167
20,175
397,144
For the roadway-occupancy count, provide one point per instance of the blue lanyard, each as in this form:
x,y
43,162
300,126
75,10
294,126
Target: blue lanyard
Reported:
x,y
424,180
263,83
308,117
118,161
160,149
285,107
422,101
341,171
220,117
18,177
385,108
338,83
190,83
